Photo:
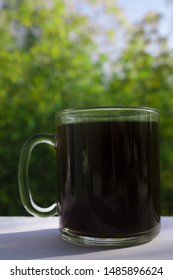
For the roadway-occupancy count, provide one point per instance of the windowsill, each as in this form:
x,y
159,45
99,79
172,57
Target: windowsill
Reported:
x,y
24,238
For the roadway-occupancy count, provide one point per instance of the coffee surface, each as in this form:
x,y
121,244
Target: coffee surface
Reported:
x,y
108,177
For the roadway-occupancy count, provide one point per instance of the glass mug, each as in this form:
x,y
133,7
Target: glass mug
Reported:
x,y
108,175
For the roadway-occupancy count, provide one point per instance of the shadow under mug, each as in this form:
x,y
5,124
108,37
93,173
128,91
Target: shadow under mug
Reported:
x,y
108,170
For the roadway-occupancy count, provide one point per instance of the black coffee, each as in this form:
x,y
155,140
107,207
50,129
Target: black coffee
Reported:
x,y
108,175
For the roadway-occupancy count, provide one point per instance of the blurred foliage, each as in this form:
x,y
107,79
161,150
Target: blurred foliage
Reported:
x,y
50,59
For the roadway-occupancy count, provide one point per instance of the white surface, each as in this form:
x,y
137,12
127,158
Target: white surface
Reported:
x,y
24,238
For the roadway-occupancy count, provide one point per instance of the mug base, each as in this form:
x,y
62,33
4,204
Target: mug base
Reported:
x,y
116,242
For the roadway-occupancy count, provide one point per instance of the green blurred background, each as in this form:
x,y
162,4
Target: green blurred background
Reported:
x,y
54,57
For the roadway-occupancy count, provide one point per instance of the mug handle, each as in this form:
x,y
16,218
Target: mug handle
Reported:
x,y
23,181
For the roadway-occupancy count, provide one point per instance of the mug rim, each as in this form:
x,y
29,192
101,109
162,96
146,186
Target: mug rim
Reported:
x,y
106,108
